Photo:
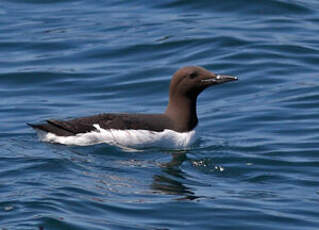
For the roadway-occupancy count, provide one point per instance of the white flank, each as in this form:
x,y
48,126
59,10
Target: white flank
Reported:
x,y
124,138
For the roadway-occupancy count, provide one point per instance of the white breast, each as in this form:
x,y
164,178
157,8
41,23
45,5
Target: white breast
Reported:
x,y
125,138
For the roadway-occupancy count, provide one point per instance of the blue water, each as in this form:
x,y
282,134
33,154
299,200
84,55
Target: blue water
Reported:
x,y
256,163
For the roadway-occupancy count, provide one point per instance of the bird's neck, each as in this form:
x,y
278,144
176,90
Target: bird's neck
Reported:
x,y
182,111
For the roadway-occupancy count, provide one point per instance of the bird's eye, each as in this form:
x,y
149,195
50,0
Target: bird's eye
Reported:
x,y
193,75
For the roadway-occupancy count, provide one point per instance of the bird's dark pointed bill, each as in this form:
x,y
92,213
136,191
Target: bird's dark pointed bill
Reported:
x,y
220,79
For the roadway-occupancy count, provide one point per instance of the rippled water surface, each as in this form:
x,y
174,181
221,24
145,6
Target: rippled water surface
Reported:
x,y
255,165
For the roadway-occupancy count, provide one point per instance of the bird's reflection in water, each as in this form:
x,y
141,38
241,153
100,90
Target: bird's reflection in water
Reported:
x,y
109,177
172,180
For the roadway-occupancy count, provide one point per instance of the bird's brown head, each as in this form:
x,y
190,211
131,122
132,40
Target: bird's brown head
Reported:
x,y
190,81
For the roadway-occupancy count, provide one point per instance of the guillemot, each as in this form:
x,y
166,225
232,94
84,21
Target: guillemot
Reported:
x,y
179,117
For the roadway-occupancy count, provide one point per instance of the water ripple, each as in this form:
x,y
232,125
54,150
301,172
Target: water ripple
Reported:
x,y
257,151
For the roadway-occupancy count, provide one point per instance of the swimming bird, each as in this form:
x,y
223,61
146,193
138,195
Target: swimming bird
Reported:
x,y
179,117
